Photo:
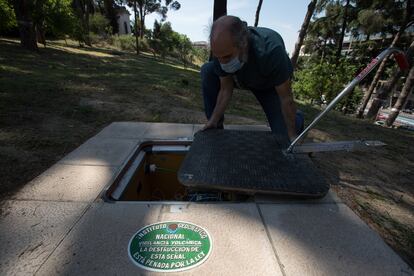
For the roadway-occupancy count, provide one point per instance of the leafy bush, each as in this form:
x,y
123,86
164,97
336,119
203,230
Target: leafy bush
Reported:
x,y
166,42
326,79
95,38
202,54
125,42
184,48
143,45
7,16
99,24
128,43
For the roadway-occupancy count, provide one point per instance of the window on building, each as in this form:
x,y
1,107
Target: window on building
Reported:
x,y
126,27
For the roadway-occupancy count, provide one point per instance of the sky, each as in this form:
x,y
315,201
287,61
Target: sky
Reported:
x,y
195,16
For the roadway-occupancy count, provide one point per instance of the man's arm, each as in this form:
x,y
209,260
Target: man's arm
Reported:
x,y
288,107
223,99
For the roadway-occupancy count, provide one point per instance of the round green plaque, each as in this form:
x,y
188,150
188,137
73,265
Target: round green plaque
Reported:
x,y
170,246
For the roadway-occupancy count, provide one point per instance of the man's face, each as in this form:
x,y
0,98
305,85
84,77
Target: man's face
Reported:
x,y
223,49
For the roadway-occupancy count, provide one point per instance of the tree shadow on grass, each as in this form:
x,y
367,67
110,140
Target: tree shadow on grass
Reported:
x,y
53,100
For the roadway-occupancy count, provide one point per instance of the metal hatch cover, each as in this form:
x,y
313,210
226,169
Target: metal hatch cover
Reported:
x,y
249,161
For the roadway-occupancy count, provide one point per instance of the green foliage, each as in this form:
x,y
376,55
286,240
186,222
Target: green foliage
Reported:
x,y
82,10
202,54
125,42
323,80
59,18
370,21
146,7
371,26
365,18
95,38
128,43
109,9
159,6
184,48
162,39
7,16
78,32
100,25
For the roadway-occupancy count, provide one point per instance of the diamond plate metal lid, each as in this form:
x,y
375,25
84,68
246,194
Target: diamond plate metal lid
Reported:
x,y
249,161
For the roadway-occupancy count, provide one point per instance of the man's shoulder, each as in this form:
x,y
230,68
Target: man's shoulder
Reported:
x,y
265,39
270,54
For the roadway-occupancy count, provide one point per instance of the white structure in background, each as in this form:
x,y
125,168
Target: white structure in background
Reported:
x,y
201,44
123,21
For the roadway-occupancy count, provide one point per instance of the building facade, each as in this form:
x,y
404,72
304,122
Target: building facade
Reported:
x,y
124,21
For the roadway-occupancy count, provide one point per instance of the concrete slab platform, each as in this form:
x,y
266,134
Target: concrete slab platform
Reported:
x,y
248,127
197,127
330,198
98,244
101,151
328,239
31,230
167,131
40,231
240,245
124,130
68,183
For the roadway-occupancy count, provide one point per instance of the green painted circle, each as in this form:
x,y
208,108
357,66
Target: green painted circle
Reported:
x,y
170,246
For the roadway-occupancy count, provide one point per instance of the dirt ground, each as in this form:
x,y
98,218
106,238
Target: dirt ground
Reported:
x,y
379,184
52,101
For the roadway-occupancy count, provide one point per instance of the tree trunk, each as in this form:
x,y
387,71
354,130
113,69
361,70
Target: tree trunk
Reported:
x,y
111,15
27,30
381,68
220,9
142,19
259,7
136,26
40,33
341,38
387,89
87,37
302,32
374,82
383,92
402,98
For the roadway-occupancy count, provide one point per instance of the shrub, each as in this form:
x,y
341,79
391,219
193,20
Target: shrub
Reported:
x,y
7,16
327,79
125,42
98,24
128,43
95,38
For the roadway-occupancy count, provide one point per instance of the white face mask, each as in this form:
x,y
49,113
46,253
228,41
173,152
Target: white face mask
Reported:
x,y
232,66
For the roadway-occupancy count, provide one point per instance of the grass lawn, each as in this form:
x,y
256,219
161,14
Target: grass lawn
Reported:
x,y
52,101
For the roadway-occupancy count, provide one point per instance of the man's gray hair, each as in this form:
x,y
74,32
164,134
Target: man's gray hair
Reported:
x,y
238,30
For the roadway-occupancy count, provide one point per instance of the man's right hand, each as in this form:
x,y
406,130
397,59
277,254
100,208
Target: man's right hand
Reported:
x,y
209,125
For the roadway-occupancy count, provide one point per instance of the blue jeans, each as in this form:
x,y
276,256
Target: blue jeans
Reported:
x,y
268,99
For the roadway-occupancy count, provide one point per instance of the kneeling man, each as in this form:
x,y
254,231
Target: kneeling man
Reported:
x,y
254,59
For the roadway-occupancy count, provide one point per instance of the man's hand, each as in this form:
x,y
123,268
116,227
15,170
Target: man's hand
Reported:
x,y
209,125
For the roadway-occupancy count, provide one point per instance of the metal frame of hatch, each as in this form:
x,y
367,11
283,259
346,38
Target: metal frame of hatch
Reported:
x,y
124,175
